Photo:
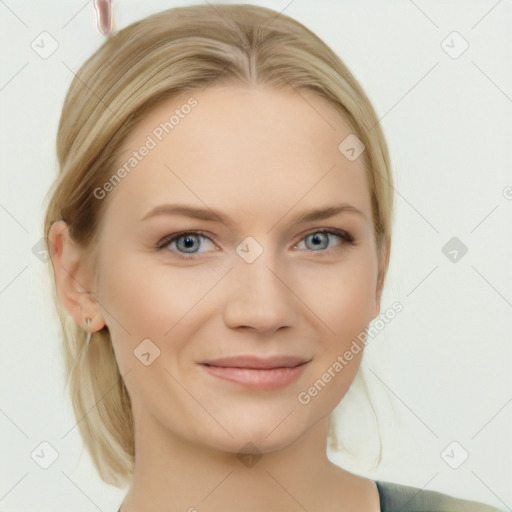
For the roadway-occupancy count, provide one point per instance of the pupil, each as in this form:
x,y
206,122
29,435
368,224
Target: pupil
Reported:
x,y
188,241
317,238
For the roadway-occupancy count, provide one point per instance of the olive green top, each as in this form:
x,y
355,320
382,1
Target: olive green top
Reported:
x,y
401,498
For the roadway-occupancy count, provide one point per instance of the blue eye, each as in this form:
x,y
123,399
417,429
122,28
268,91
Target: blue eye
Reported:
x,y
319,238
190,242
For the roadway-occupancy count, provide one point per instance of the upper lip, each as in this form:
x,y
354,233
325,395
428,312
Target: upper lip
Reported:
x,y
263,363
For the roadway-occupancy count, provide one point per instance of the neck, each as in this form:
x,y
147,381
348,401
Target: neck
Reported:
x,y
172,473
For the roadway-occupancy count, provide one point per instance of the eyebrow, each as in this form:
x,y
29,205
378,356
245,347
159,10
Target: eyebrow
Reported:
x,y
214,215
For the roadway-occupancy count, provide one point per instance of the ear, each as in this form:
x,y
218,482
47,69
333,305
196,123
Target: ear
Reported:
x,y
383,264
74,278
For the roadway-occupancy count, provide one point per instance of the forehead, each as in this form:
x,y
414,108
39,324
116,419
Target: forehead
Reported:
x,y
254,147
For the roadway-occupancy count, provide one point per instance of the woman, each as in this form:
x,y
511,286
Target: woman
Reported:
x,y
220,233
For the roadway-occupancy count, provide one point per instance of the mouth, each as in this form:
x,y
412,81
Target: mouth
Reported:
x,y
257,373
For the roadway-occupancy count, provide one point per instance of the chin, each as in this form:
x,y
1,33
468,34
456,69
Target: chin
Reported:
x,y
255,437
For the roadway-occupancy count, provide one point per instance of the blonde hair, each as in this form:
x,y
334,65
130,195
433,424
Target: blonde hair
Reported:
x,y
159,57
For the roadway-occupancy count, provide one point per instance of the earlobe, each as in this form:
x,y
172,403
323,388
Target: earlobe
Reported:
x,y
72,277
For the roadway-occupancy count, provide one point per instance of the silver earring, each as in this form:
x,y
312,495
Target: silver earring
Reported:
x,y
88,339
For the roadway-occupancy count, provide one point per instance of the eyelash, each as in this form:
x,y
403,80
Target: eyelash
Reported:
x,y
346,237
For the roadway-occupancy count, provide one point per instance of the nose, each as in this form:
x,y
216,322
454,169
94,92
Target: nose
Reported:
x,y
259,297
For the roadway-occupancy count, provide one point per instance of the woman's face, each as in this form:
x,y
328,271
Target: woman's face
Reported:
x,y
256,283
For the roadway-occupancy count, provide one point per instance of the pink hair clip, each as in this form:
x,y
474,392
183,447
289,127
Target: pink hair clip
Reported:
x,y
104,16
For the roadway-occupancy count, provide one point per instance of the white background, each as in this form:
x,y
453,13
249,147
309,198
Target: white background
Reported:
x,y
442,365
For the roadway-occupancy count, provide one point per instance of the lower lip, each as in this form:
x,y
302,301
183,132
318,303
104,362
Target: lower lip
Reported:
x,y
275,378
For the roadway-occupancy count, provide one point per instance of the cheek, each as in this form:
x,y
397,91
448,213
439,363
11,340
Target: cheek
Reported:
x,y
342,296
133,298
145,299
344,301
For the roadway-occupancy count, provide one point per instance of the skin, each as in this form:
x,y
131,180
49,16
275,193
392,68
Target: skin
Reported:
x,y
260,157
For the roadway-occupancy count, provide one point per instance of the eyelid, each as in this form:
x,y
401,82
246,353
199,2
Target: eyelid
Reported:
x,y
342,233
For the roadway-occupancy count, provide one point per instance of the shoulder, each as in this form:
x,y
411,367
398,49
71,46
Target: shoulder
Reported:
x,y
402,498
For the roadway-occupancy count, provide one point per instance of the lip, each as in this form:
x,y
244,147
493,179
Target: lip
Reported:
x,y
261,363
252,372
